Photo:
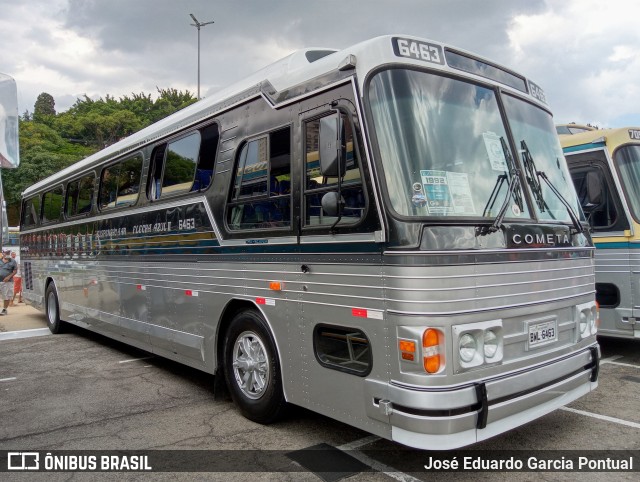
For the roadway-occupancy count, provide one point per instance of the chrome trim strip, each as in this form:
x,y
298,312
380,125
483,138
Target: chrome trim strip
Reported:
x,y
484,310
484,251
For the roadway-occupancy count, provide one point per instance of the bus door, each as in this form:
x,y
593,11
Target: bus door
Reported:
x,y
341,308
602,203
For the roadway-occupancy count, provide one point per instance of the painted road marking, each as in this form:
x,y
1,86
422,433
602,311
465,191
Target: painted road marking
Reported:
x,y
7,379
135,359
14,335
602,417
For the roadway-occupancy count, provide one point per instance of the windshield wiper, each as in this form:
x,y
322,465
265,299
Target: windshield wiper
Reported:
x,y
513,181
537,188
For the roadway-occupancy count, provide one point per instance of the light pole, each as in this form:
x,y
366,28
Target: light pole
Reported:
x,y
198,25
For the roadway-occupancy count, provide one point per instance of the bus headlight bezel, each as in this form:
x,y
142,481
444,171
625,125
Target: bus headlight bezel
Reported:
x,y
489,332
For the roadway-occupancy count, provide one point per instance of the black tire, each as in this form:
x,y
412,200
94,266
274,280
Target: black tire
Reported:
x,y
255,380
52,309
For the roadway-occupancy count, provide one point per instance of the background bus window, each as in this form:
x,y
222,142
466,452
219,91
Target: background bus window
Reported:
x,y
261,194
602,213
52,205
120,183
80,196
317,185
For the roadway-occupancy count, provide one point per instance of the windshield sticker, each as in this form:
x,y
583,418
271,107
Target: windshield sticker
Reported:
x,y
418,199
446,192
515,209
461,193
493,145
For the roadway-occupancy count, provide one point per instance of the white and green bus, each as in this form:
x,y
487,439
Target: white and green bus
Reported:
x,y
386,234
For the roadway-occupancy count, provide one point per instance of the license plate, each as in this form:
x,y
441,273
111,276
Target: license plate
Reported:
x,y
542,333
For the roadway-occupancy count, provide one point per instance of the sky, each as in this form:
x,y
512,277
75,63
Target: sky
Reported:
x,y
585,54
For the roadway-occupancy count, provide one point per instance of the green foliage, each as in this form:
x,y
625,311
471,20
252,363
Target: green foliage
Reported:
x,y
44,106
51,141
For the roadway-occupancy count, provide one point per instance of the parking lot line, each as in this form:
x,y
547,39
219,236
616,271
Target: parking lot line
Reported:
x,y
15,335
135,359
619,364
602,417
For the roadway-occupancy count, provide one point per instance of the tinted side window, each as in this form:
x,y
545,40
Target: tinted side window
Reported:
x,y
261,194
120,183
180,164
183,165
316,185
597,197
30,211
80,196
52,205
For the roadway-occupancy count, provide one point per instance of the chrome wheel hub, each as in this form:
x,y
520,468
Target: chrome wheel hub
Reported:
x,y
250,365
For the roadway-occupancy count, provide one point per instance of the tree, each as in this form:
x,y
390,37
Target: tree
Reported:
x,y
51,141
44,108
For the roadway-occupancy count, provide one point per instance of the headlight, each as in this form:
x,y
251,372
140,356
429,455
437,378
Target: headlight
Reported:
x,y
596,317
584,322
490,344
468,347
593,318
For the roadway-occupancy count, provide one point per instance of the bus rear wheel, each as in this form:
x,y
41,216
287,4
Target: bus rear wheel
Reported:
x,y
56,325
252,368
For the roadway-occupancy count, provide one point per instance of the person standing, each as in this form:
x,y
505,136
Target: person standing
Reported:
x,y
17,281
8,269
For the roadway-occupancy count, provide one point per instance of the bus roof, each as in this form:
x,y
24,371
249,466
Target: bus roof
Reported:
x,y
612,138
291,71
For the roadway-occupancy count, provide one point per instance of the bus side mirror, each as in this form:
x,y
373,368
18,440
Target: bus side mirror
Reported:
x,y
331,146
332,203
594,192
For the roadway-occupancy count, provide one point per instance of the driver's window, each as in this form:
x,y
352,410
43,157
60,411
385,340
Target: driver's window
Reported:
x,y
596,196
317,185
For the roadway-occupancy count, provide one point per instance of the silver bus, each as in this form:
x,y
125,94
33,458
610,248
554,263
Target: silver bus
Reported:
x,y
386,235
605,167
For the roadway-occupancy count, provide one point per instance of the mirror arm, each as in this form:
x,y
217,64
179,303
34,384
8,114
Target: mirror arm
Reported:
x,y
332,229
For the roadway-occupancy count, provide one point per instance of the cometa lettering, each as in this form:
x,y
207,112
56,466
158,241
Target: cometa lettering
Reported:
x,y
552,239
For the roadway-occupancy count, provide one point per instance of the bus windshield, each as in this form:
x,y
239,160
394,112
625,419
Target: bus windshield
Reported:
x,y
445,152
627,159
541,154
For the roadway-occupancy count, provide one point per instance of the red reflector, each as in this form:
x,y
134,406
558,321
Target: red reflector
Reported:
x,y
407,356
188,293
261,301
360,313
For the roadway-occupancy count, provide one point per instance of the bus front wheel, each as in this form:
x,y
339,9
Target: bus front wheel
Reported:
x,y
56,325
252,368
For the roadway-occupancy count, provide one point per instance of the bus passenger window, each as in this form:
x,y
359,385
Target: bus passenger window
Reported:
x,y
180,164
79,196
261,194
120,183
317,185
30,212
208,149
52,205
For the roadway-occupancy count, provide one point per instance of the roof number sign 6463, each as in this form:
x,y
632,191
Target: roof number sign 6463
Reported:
x,y
414,49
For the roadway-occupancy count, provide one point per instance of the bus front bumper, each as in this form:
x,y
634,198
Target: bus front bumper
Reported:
x,y
447,418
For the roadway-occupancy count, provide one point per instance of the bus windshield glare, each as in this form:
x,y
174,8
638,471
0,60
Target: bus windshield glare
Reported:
x,y
445,151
